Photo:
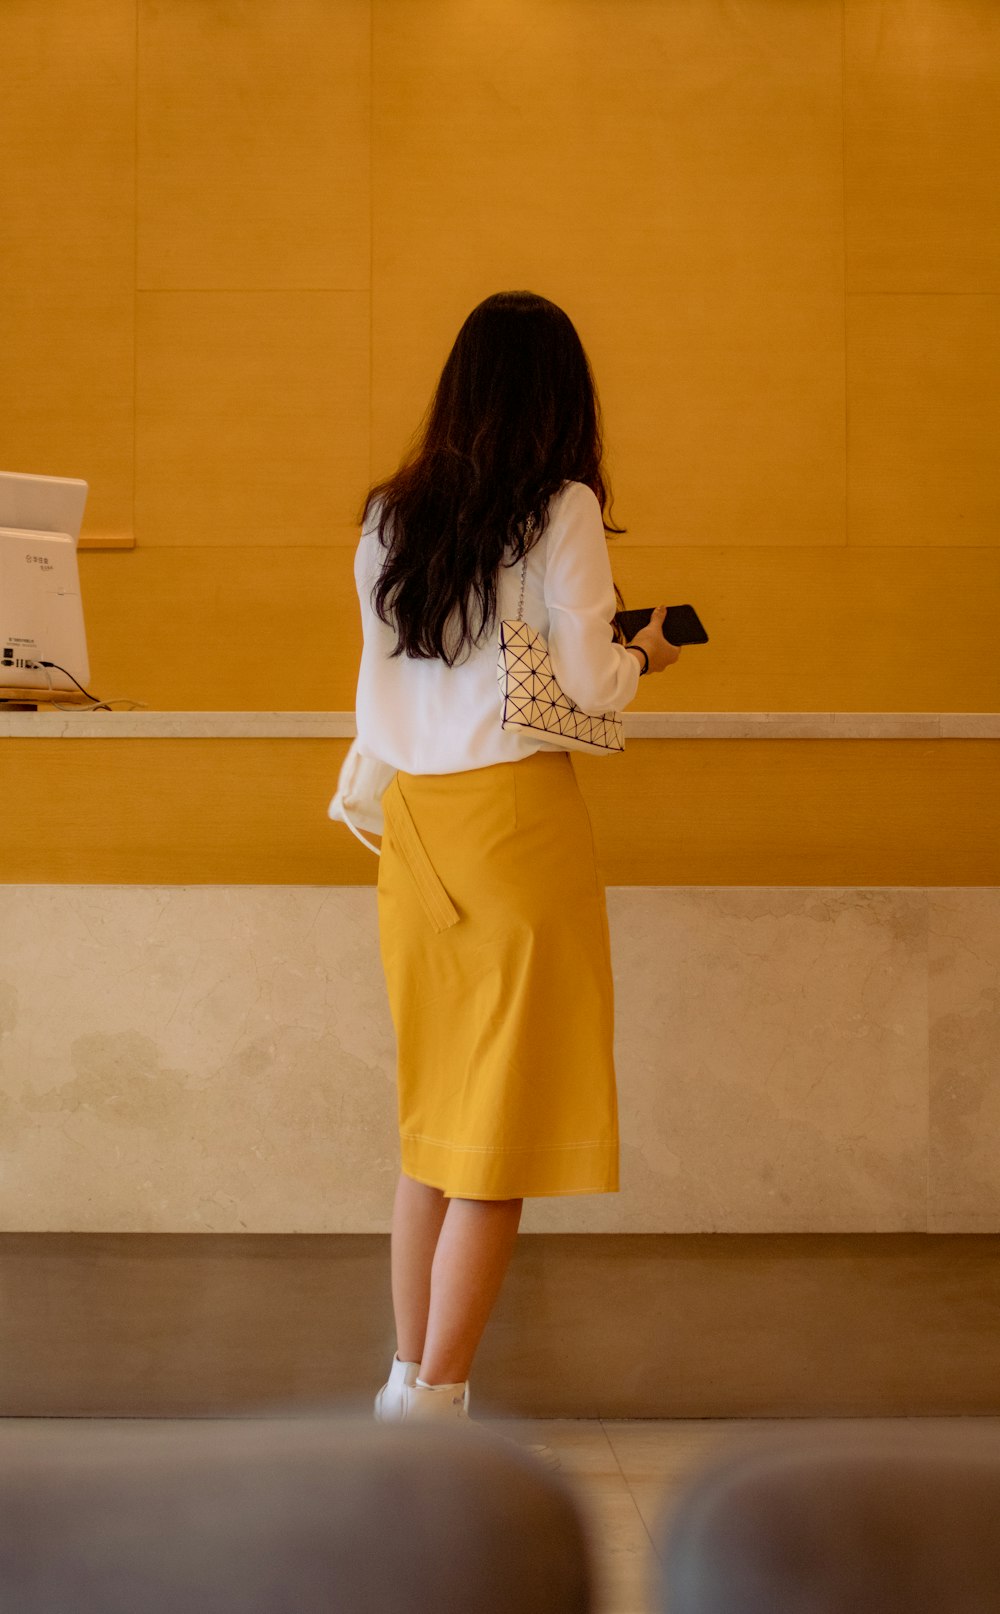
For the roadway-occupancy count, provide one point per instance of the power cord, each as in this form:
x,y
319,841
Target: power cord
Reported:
x,y
98,706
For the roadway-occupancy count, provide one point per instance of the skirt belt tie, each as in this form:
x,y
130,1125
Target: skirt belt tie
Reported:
x,y
440,909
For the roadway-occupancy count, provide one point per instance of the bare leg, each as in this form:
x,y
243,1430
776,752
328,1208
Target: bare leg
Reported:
x,y
473,1252
417,1216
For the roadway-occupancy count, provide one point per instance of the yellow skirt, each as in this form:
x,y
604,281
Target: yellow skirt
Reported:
x,y
493,931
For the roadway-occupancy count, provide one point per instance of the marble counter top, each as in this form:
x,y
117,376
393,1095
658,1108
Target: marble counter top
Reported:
x,y
82,724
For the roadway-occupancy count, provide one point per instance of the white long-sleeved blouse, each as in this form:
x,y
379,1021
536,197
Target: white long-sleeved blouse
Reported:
x,y
425,717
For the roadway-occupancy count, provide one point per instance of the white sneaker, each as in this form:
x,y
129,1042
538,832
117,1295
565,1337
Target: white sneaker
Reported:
x,y
387,1402
448,1403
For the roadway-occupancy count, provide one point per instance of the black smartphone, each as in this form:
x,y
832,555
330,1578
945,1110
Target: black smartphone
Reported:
x,y
681,624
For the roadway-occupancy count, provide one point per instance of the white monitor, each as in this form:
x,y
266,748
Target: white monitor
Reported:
x,y
42,503
41,613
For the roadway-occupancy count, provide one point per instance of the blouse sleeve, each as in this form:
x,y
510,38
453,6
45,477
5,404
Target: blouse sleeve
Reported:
x,y
377,641
590,667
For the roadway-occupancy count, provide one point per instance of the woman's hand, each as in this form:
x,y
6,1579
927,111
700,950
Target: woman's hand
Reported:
x,y
660,651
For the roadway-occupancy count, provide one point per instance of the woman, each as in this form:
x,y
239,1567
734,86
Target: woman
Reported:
x,y
492,916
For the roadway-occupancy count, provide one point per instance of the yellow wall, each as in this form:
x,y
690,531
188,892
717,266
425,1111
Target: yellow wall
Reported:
x,y
241,235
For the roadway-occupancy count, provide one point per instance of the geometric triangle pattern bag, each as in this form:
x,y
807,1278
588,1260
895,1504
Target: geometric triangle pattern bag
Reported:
x,y
533,701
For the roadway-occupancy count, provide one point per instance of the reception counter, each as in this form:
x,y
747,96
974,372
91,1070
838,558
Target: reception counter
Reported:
x,y
207,1054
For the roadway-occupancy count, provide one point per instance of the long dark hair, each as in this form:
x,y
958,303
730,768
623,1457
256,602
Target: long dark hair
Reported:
x,y
514,416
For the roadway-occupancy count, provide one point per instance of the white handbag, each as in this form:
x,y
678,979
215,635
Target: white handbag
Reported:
x,y
532,699
362,783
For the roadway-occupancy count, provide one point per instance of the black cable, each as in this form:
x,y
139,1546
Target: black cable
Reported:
x,y
98,706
